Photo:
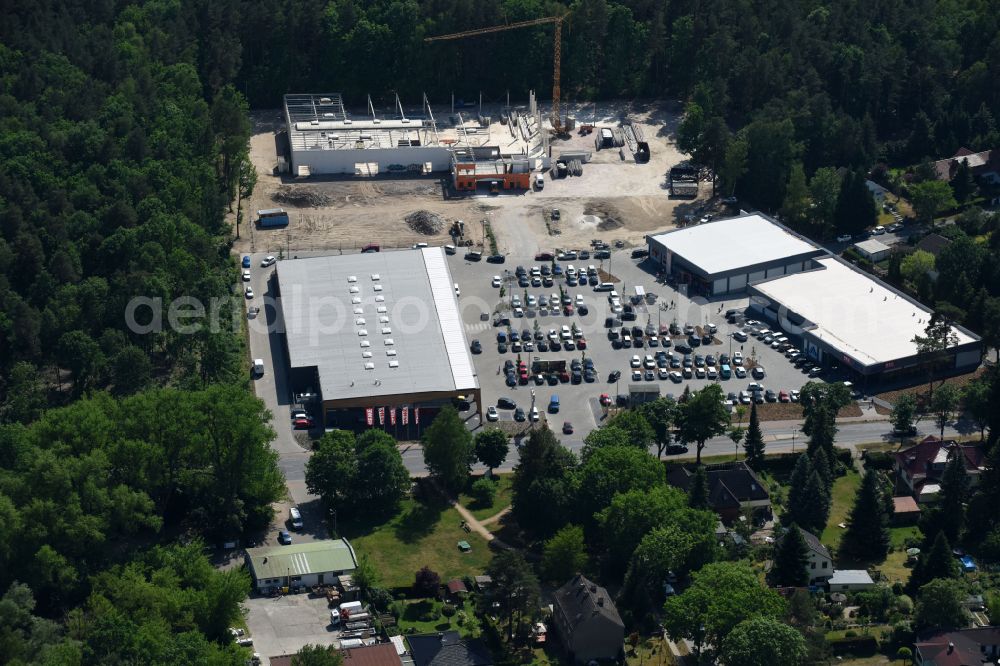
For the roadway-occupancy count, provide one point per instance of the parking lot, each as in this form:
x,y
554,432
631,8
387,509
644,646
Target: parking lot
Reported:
x,y
283,625
579,402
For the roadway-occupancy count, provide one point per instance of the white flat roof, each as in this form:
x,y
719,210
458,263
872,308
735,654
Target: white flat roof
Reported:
x,y
853,313
872,246
851,577
734,243
382,323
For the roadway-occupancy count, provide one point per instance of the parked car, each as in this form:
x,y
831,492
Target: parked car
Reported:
x,y
492,414
477,347
844,238
567,428
248,291
519,414
285,537
246,261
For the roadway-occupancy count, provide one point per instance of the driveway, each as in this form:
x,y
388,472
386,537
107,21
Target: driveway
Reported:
x,y
283,625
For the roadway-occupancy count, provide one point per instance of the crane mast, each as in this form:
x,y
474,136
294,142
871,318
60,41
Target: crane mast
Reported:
x,y
556,52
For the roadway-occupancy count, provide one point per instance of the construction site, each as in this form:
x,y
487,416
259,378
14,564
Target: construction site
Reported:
x,y
524,176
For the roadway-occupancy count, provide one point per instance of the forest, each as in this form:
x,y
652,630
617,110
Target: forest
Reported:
x,y
122,125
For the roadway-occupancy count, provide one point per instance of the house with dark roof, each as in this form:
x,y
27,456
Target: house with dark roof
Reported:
x,y
732,489
963,647
984,165
933,243
820,561
919,468
587,621
448,649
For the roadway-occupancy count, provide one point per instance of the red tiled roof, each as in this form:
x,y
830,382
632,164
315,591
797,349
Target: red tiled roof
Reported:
x,y
905,505
455,585
383,654
914,459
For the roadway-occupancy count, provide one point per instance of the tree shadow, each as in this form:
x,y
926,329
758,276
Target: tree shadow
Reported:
x,y
419,521
413,612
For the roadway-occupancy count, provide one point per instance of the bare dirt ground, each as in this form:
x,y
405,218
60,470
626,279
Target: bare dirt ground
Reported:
x,y
614,199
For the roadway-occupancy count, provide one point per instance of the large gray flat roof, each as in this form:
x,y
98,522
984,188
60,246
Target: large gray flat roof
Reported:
x,y
734,243
383,323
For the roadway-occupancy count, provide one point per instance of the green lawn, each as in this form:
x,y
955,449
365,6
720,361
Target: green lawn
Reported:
x,y
419,535
844,490
500,502
894,567
424,616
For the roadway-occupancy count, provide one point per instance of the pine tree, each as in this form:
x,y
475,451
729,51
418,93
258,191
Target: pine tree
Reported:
x,y
939,562
698,491
754,443
797,484
815,509
867,535
822,466
954,493
791,560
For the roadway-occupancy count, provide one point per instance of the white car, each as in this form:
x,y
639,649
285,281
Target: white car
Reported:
x,y
248,291
268,261
497,281
246,276
664,373
738,358
491,414
793,395
844,238
532,301
676,377
712,373
579,300
879,230
649,362
635,363
637,375
699,373
758,372
534,414
515,301
744,398
458,292
518,312
740,372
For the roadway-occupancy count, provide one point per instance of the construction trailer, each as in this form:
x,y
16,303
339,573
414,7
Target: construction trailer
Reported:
x,y
499,173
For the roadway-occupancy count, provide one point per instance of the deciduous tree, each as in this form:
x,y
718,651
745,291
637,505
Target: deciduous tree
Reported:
x,y
565,555
703,416
763,641
492,446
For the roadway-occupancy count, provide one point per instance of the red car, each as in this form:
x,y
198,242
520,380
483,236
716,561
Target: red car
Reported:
x,y
783,397
568,310
524,377
544,256
563,376
605,399
581,343
301,423
567,428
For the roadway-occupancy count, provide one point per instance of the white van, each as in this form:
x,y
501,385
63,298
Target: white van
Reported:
x,y
613,296
258,367
539,181
296,518
605,286
450,249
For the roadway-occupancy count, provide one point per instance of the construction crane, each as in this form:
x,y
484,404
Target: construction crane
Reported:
x,y
556,52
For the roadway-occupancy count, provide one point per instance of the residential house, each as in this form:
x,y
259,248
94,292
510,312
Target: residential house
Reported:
x,y
587,621
381,654
820,561
984,165
919,468
850,580
933,243
732,489
302,564
878,192
963,647
448,648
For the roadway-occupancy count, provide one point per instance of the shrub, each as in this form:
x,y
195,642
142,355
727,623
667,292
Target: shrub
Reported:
x,y
850,633
448,610
484,491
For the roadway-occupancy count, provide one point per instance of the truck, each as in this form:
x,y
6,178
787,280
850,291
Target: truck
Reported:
x,y
271,218
539,365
